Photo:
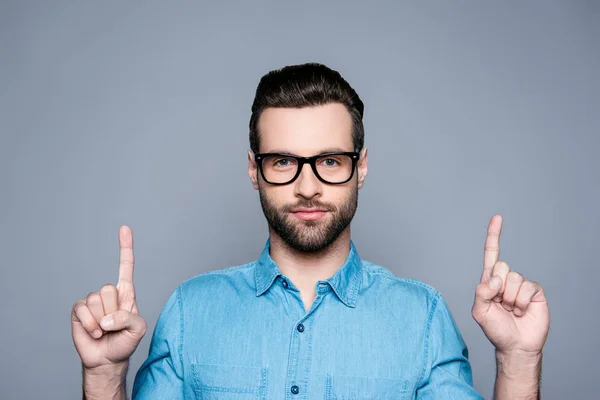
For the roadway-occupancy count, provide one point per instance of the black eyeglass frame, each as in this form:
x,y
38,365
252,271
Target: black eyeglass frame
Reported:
x,y
312,161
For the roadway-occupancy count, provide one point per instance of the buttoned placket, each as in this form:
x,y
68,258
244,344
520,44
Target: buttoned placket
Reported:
x,y
299,358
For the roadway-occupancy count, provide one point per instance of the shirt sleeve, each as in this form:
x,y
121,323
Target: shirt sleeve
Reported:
x,y
447,371
161,375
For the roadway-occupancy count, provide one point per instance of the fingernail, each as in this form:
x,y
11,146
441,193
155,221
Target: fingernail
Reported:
x,y
518,311
106,322
507,308
97,333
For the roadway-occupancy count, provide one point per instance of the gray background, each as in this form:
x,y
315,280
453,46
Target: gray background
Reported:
x,y
137,113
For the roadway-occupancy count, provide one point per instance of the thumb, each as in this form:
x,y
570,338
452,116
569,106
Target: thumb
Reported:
x,y
484,295
124,320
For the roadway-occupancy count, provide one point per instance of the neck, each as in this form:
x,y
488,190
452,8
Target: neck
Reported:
x,y
306,269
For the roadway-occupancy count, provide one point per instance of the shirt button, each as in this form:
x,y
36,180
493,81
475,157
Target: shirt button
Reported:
x,y
300,328
295,389
284,284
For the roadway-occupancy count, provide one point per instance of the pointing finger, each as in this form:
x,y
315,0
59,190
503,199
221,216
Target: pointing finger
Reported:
x,y
491,250
126,258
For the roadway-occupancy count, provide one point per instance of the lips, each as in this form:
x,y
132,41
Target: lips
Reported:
x,y
308,214
308,210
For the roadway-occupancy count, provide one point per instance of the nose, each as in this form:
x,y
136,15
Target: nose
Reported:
x,y
307,184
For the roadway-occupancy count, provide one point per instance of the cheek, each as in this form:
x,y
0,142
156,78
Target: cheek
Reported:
x,y
340,194
278,195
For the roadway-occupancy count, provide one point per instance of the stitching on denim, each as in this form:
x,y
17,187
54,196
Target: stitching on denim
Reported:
x,y
229,270
199,387
197,384
309,331
257,285
181,326
261,284
225,389
262,393
405,387
427,331
225,271
292,355
416,282
355,284
328,387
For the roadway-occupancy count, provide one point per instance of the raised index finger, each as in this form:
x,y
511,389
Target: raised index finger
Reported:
x,y
126,259
491,250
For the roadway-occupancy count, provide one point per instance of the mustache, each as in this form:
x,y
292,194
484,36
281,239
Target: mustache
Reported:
x,y
309,204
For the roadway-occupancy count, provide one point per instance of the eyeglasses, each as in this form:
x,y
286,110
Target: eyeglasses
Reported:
x,y
332,168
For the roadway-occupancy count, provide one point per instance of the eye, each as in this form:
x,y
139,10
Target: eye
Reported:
x,y
283,162
330,162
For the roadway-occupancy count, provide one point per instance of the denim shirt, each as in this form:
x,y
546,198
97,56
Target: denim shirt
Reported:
x,y
243,333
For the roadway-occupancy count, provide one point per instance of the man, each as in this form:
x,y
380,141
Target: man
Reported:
x,y
309,319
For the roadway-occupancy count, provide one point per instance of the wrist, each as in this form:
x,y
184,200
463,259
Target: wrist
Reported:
x,y
518,364
105,381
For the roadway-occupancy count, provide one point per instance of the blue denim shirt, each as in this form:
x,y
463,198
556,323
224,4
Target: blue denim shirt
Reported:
x,y
243,333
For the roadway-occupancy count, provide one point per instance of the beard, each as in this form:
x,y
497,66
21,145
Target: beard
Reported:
x,y
314,235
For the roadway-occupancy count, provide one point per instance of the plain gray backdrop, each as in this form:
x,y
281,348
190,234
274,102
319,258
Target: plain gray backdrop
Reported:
x,y
137,113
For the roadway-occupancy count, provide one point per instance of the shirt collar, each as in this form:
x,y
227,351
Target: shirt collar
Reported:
x,y
345,282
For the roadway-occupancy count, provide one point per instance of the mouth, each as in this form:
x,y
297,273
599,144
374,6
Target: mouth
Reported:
x,y
309,214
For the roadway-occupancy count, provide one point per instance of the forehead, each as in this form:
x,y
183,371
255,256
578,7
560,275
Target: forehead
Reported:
x,y
306,131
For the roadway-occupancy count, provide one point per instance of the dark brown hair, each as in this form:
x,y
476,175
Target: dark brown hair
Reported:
x,y
306,85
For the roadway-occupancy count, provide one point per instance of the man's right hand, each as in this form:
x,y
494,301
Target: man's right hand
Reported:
x,y
100,344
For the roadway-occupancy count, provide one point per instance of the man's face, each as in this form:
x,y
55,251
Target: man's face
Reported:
x,y
307,132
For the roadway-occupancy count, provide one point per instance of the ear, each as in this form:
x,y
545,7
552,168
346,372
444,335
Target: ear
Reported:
x,y
363,162
252,170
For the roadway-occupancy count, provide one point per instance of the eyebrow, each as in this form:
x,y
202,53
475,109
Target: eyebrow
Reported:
x,y
324,151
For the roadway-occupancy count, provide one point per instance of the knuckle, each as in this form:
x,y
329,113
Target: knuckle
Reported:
x,y
108,289
529,286
501,268
515,276
78,303
77,306
92,297
144,327
480,290
502,265
535,284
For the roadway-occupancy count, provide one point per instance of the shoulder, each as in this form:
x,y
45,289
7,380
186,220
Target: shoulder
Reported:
x,y
384,284
238,278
